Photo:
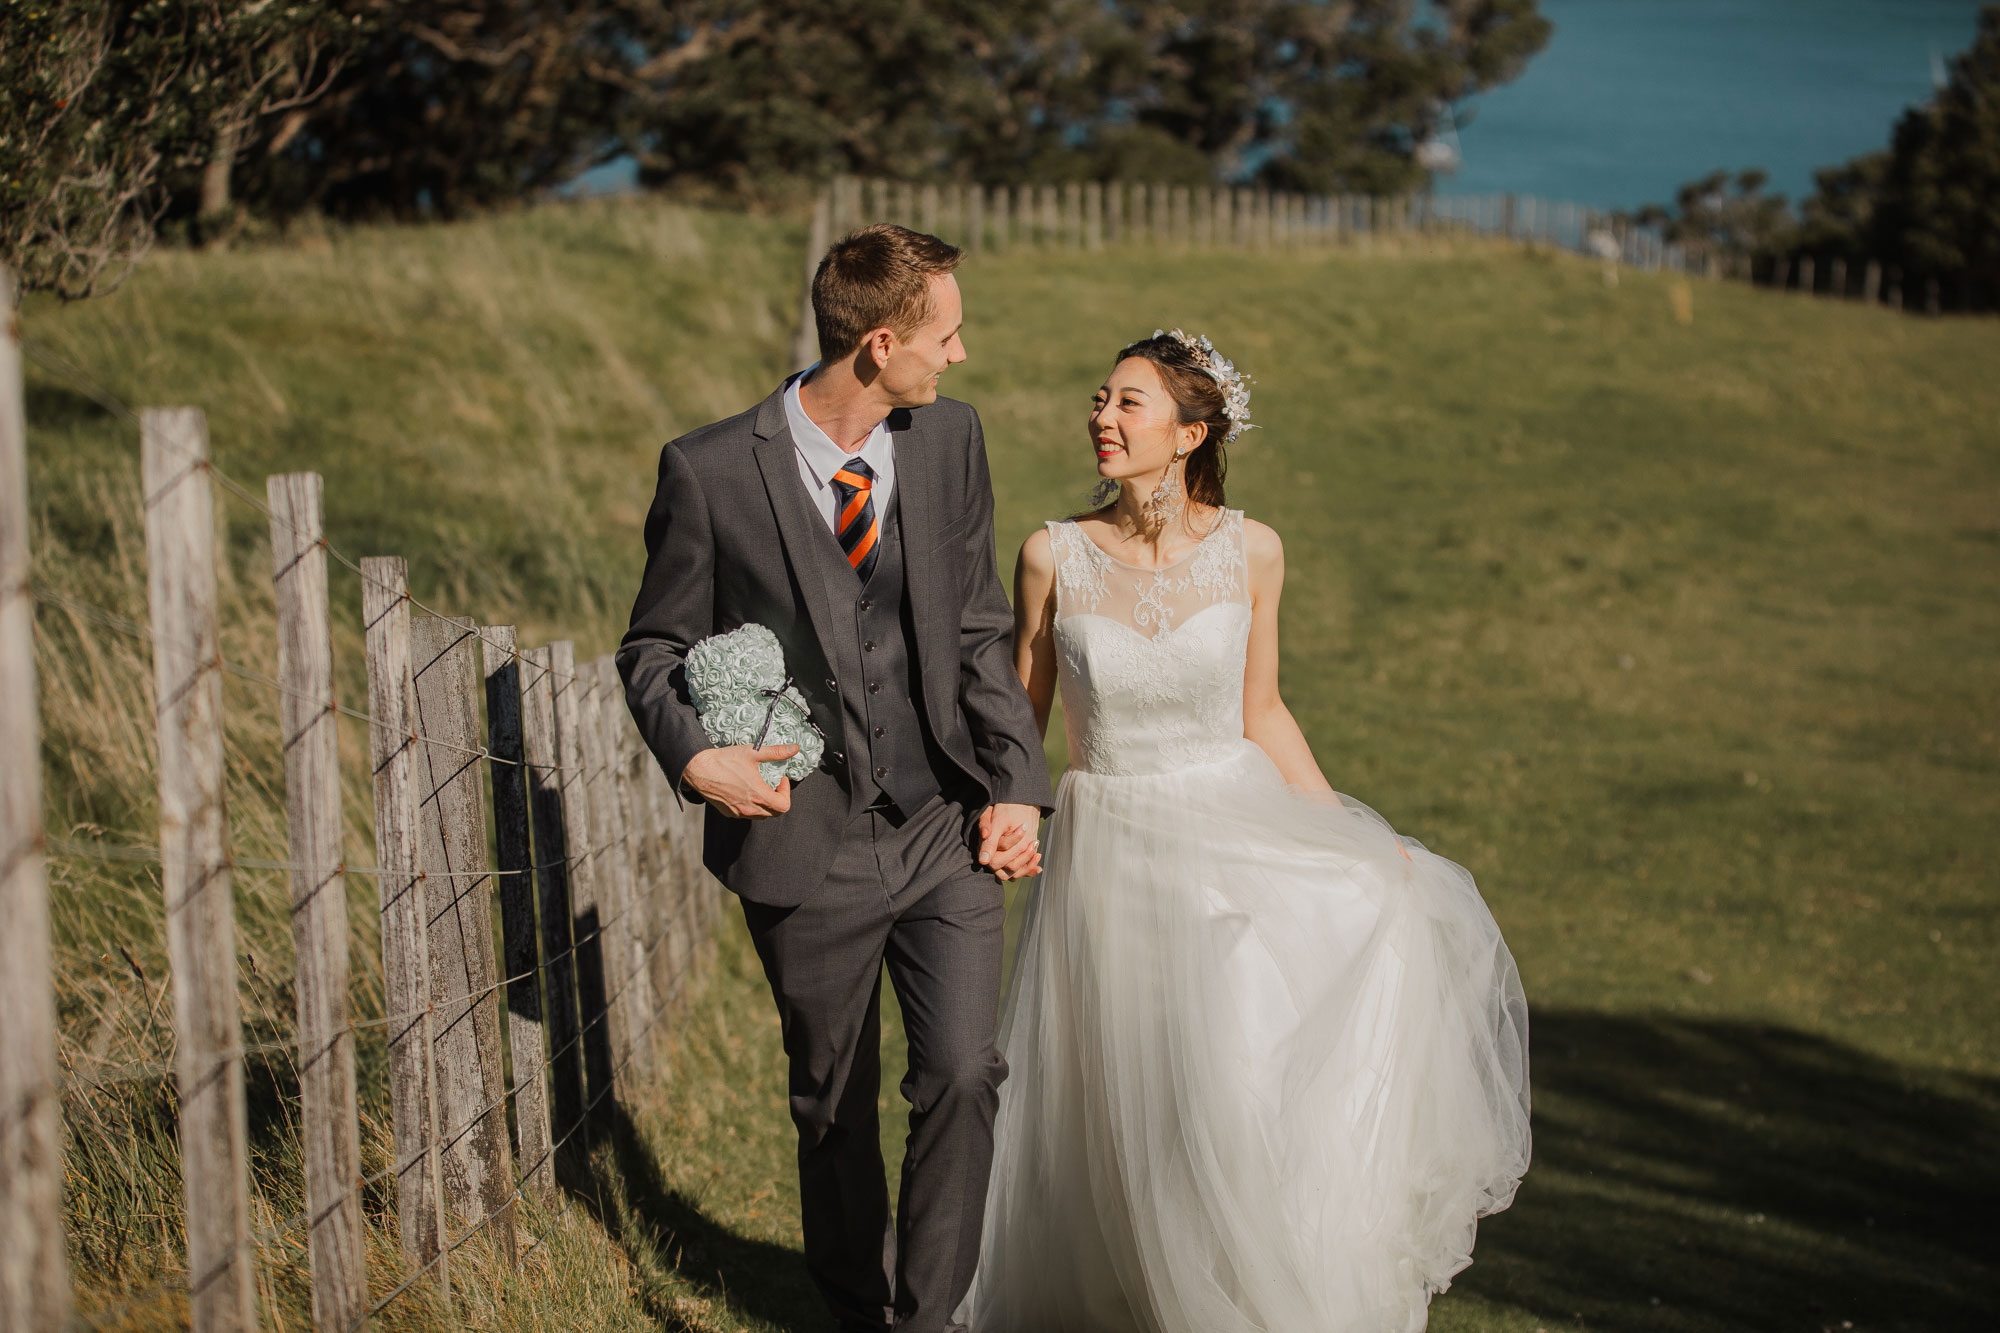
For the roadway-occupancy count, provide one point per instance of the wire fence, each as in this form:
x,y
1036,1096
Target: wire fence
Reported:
x,y
506,1046
1098,215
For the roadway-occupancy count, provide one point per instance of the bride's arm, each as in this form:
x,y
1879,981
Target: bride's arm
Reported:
x,y
1266,720
1034,624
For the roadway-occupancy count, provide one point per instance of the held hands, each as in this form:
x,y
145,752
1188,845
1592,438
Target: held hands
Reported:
x,y
727,779
1008,841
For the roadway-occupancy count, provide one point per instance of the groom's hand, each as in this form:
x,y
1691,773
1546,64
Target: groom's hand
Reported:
x,y
727,779
1008,845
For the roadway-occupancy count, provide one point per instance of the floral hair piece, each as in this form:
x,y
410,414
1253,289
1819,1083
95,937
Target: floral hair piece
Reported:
x,y
1235,390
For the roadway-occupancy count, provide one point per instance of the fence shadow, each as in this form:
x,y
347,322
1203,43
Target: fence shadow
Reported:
x,y
662,1229
1732,1175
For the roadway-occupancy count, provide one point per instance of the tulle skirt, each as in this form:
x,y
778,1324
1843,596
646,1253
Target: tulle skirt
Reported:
x,y
1269,1065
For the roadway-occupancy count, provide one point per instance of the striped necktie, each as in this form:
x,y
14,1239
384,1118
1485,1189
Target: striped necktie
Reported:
x,y
855,526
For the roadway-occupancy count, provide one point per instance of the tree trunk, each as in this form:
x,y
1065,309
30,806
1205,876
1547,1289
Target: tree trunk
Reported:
x,y
215,199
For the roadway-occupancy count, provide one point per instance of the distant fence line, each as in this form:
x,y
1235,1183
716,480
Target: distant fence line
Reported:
x,y
604,909
1095,215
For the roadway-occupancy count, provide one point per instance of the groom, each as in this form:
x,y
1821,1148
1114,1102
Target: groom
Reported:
x,y
851,513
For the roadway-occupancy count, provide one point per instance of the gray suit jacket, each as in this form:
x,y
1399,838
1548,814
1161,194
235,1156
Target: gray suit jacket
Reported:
x,y
726,545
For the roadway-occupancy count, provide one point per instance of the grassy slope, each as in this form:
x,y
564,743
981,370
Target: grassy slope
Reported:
x,y
1678,636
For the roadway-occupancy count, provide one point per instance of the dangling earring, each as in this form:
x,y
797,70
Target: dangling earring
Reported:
x,y
1169,497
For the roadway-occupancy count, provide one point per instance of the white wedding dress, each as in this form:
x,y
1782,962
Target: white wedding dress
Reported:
x,y
1269,1059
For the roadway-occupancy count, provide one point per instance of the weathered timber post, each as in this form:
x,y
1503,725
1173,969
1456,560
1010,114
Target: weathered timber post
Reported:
x,y
805,342
1806,283
508,769
975,219
642,857
588,908
1836,279
406,964
467,1069
1093,215
329,1124
34,1262
1871,282
194,867
648,789
927,210
553,859
630,986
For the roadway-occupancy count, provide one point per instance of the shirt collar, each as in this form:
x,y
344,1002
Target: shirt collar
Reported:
x,y
824,457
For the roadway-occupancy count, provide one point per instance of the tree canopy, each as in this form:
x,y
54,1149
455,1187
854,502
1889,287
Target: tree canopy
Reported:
x,y
119,113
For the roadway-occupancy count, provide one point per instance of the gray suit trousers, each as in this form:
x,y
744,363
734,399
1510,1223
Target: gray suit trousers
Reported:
x,y
916,898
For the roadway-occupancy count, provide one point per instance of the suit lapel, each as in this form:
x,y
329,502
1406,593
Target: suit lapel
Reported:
x,y
917,502
800,527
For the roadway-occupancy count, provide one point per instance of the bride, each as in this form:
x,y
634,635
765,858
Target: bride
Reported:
x,y
1269,1058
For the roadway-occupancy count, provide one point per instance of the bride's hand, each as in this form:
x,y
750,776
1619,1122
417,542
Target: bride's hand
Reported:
x,y
1008,845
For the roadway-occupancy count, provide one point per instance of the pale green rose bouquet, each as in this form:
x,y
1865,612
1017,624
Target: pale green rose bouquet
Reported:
x,y
745,697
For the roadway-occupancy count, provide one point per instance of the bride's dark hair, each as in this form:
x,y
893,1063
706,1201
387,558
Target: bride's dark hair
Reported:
x,y
1199,398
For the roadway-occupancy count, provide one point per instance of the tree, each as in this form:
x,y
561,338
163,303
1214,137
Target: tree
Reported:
x,y
112,109
1936,209
455,105
1930,203
1299,93
1731,216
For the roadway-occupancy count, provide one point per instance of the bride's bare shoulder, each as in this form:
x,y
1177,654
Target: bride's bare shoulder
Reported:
x,y
1262,545
1037,557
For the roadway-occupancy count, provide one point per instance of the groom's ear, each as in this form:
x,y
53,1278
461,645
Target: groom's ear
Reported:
x,y
877,346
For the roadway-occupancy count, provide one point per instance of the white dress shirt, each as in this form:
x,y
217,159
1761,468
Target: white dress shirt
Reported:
x,y
820,458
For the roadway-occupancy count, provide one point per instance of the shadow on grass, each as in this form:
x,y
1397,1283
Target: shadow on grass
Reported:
x,y
663,1231
1689,1175
1695,1174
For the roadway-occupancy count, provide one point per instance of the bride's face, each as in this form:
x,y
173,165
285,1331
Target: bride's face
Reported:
x,y
1135,423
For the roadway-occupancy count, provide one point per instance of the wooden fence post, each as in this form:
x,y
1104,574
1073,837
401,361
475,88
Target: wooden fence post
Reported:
x,y
805,341
636,860
644,794
927,214
1093,215
553,860
406,963
329,1123
34,1261
466,1070
588,909
628,984
1836,279
516,881
1871,282
194,867
975,219
1806,283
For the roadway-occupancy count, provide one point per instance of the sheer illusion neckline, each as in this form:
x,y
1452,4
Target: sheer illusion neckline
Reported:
x,y
1214,529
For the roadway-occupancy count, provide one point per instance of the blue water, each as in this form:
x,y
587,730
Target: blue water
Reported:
x,y
1632,97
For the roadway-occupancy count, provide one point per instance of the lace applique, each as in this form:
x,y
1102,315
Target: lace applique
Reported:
x,y
1079,579
1151,661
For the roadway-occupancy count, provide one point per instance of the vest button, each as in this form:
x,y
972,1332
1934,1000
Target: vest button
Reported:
x,y
866,604
879,732
873,688
881,772
868,647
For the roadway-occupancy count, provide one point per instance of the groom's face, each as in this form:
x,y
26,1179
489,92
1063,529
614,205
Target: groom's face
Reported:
x,y
909,372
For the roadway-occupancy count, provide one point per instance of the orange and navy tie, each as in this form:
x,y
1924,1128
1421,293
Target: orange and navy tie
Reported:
x,y
855,527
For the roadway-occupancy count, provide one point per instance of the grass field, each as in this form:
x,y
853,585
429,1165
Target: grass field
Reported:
x,y
1680,635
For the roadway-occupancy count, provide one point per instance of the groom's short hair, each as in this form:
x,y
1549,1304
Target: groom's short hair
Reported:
x,y
874,278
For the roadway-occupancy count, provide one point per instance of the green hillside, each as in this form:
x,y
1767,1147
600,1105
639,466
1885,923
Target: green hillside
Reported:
x,y
1678,633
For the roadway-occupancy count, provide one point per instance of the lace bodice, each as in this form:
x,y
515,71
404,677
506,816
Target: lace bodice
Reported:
x,y
1150,662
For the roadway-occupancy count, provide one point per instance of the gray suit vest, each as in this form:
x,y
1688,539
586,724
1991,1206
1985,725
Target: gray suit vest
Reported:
x,y
890,751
